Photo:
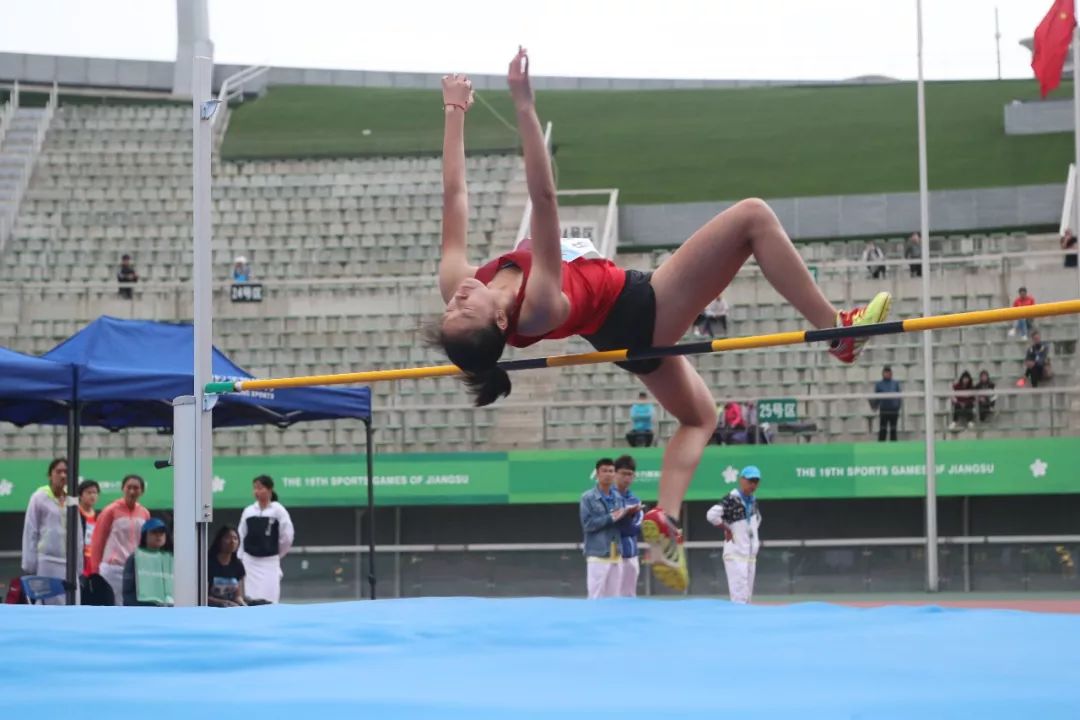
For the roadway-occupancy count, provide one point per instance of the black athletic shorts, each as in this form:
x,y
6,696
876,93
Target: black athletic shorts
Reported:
x,y
630,323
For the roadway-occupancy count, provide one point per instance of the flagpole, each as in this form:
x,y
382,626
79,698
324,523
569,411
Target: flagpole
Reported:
x,y
928,350
1076,147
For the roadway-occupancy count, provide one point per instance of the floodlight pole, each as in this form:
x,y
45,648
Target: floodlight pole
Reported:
x,y
1076,148
928,350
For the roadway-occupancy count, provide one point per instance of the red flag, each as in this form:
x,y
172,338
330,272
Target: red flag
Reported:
x,y
1052,39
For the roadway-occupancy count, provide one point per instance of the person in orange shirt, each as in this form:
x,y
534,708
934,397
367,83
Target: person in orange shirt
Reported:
x,y
1022,326
116,534
88,494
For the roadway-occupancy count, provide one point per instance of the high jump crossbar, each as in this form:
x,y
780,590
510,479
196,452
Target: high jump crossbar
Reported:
x,y
798,337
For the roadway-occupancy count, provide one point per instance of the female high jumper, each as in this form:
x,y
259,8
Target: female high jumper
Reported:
x,y
550,288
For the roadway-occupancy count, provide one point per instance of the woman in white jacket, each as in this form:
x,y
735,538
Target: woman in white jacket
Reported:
x,y
266,534
740,517
44,545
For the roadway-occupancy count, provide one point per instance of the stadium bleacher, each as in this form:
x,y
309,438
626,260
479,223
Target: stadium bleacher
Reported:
x,y
347,250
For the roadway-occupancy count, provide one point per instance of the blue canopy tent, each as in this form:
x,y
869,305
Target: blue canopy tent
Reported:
x,y
128,372
32,390
117,373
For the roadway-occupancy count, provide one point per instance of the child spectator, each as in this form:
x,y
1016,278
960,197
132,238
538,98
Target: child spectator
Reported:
x,y
148,571
88,492
642,415
225,571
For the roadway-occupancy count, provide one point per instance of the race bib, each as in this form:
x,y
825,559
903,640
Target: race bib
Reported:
x,y
572,248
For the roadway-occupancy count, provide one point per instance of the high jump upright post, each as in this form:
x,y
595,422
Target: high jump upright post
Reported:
x,y
192,426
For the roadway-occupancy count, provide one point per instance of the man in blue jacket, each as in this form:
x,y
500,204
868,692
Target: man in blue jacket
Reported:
x,y
601,509
629,526
889,408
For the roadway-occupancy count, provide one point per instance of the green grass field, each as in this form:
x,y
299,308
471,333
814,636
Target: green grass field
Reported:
x,y
687,145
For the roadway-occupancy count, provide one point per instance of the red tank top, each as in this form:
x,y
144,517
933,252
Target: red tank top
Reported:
x,y
592,285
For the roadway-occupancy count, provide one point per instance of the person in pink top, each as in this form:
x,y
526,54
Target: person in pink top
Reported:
x,y
116,534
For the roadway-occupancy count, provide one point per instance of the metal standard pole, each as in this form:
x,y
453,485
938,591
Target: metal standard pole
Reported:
x,y
203,109
74,526
928,352
370,505
185,504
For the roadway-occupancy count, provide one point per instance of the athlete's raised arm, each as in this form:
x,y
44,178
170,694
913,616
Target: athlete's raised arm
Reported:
x,y
453,265
545,307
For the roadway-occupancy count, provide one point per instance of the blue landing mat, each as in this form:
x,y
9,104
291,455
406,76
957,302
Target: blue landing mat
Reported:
x,y
539,658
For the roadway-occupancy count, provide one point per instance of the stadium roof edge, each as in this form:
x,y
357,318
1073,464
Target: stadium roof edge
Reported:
x,y
156,76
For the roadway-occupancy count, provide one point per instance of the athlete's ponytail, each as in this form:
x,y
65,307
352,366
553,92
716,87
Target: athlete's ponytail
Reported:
x,y
477,353
488,386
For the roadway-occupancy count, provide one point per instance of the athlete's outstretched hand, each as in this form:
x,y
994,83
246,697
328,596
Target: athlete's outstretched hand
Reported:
x,y
518,79
457,91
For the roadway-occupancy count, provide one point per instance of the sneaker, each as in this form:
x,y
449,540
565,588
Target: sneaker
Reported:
x,y
668,554
953,427
847,349
1012,332
971,425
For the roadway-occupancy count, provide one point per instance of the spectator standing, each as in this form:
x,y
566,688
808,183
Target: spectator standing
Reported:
x,y
266,535
118,532
888,408
642,415
1037,361
1022,326
44,541
629,526
1068,242
963,406
913,251
148,571
241,272
986,402
88,492
126,276
600,509
739,516
225,571
873,256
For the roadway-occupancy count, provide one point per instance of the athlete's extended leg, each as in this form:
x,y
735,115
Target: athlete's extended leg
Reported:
x,y
704,266
683,393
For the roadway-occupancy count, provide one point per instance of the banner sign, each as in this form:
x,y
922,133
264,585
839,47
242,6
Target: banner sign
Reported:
x,y
847,470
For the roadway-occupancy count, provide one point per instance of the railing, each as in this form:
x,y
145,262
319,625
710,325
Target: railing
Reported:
x,y
26,168
817,417
233,86
7,114
999,563
411,283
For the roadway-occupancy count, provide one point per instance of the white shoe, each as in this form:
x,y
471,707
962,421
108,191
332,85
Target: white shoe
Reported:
x,y
952,426
971,425
1012,332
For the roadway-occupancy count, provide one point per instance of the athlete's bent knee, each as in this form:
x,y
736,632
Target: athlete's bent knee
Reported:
x,y
755,212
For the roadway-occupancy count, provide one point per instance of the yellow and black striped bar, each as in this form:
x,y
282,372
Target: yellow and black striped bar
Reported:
x,y
798,337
